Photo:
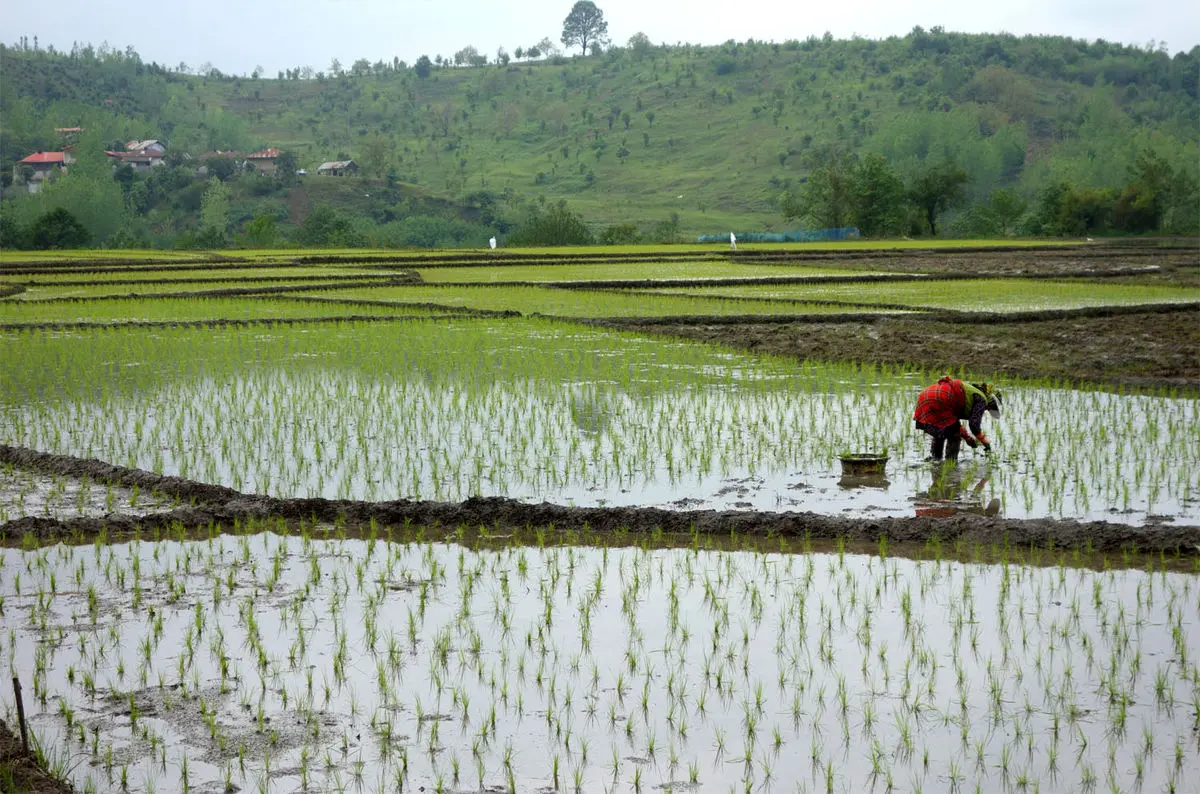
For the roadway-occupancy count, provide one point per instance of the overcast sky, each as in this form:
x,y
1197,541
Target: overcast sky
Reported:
x,y
237,35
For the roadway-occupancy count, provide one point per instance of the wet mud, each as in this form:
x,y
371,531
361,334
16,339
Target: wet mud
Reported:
x,y
209,505
1141,346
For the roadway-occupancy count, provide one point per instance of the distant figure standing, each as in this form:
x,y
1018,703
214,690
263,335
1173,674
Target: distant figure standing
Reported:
x,y
492,242
943,405
732,241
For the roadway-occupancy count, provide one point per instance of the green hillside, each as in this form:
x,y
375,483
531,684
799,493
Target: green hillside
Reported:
x,y
700,138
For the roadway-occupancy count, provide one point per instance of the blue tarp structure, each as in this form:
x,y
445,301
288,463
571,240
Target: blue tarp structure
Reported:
x,y
790,236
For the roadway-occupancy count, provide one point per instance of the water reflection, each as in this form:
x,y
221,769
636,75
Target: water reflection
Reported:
x,y
877,480
951,491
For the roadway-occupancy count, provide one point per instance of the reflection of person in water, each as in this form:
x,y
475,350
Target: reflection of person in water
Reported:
x,y
948,494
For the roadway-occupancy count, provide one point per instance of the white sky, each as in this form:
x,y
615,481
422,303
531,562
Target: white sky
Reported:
x,y
237,35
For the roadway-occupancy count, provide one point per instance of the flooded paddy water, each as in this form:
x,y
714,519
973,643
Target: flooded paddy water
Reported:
x,y
31,493
282,663
543,411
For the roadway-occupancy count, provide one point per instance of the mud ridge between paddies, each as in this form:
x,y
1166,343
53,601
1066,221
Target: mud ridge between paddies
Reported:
x,y
920,313
212,505
19,770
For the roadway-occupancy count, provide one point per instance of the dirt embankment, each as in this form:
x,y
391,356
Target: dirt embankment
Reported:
x,y
1153,347
214,505
20,773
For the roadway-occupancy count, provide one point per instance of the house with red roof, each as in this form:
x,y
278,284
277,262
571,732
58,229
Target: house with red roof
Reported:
x,y
263,161
40,167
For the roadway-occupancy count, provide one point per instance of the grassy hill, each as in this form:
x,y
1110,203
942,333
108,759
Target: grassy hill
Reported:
x,y
641,134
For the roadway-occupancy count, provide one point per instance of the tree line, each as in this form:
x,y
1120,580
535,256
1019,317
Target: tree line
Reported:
x,y
866,192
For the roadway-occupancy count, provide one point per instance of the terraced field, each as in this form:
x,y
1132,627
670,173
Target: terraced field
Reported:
x,y
577,520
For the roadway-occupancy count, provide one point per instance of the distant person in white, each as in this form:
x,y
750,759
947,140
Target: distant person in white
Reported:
x,y
732,241
492,242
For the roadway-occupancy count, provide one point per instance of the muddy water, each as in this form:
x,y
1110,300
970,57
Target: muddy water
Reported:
x,y
271,662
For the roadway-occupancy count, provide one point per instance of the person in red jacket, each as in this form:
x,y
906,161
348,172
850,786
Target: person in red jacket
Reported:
x,y
943,405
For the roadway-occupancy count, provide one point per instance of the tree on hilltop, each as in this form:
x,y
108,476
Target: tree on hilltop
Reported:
x,y
583,25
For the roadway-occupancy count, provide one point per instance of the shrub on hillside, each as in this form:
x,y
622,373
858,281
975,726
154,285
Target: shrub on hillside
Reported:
x,y
557,225
12,233
325,227
58,228
429,231
620,234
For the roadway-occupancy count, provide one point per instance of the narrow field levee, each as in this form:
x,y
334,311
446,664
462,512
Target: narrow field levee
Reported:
x,y
209,505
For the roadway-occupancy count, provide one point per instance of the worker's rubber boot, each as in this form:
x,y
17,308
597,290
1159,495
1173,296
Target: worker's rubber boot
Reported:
x,y
937,447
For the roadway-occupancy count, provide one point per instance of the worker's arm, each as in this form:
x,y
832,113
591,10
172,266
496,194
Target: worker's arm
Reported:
x,y
976,423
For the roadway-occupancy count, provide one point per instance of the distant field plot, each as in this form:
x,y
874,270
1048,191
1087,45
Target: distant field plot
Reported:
x,y
118,254
575,303
52,291
193,273
668,269
967,294
187,310
832,245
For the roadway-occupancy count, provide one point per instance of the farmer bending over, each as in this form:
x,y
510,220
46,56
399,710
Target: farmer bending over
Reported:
x,y
943,405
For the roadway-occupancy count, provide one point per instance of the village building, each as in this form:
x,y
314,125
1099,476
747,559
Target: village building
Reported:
x,y
147,147
41,167
337,168
140,162
141,156
69,134
263,161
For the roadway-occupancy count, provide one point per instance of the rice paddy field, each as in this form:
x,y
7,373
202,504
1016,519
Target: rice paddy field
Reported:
x,y
190,606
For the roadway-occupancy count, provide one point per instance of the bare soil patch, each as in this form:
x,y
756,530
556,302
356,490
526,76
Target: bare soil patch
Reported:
x,y
1149,347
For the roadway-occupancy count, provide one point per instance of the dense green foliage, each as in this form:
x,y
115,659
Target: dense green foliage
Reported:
x,y
557,225
671,140
58,228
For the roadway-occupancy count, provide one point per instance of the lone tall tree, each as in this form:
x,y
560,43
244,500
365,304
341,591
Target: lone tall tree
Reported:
x,y
584,25
938,189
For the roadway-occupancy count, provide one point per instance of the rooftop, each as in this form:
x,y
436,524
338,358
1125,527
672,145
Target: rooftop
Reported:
x,y
44,157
